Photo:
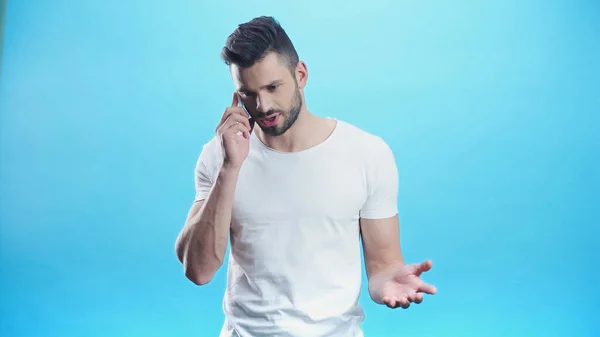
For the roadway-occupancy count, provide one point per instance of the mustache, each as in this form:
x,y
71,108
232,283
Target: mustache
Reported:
x,y
269,114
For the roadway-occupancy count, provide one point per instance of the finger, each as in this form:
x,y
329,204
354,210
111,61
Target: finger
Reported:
x,y
229,112
242,131
243,120
232,120
238,129
389,302
416,298
423,267
236,99
225,124
394,303
236,118
427,288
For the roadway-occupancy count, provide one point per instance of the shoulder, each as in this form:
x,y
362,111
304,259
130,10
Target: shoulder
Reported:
x,y
363,141
210,156
370,151
212,146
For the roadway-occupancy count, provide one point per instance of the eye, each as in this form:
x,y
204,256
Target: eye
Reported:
x,y
272,87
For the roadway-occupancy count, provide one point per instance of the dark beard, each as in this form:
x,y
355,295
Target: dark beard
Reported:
x,y
290,117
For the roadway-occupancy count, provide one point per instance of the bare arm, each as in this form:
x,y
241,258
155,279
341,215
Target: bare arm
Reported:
x,y
391,281
379,223
202,242
381,245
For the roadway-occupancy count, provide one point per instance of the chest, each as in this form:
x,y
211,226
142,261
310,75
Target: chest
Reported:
x,y
273,192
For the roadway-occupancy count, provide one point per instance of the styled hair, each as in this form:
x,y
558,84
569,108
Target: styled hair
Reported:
x,y
253,40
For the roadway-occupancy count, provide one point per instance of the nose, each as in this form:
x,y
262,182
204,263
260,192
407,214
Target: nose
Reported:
x,y
263,104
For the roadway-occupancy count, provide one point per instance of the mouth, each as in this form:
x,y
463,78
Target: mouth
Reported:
x,y
269,121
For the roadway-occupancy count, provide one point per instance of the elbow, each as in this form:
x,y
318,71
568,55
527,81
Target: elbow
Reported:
x,y
180,249
197,276
194,274
200,273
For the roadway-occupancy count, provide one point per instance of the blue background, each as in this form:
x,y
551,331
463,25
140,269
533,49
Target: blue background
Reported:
x,y
491,109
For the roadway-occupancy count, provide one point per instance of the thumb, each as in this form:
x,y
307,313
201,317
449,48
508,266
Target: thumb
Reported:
x,y
423,267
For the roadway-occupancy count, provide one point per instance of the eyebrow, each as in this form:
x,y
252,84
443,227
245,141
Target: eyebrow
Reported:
x,y
244,89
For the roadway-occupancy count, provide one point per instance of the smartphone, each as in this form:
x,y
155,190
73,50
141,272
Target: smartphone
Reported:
x,y
250,119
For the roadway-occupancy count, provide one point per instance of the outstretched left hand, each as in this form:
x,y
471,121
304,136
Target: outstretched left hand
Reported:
x,y
402,286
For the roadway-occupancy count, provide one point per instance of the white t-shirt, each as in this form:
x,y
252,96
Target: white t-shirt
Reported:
x,y
294,266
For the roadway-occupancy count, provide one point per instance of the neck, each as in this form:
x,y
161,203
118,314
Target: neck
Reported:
x,y
308,131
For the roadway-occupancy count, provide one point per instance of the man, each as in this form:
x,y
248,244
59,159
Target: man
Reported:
x,y
295,195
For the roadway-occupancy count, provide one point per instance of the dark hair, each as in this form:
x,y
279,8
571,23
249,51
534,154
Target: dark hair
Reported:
x,y
253,40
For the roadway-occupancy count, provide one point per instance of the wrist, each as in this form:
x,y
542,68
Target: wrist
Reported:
x,y
384,270
229,168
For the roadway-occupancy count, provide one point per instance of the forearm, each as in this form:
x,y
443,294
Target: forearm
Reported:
x,y
203,241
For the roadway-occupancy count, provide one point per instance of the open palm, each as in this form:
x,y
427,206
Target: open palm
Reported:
x,y
402,287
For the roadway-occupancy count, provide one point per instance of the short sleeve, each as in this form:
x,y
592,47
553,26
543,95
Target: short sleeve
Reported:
x,y
202,177
382,183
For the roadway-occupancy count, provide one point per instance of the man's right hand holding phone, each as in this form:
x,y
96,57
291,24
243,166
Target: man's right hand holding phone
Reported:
x,y
234,130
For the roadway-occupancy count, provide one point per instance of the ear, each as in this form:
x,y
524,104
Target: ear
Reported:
x,y
301,74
